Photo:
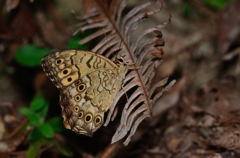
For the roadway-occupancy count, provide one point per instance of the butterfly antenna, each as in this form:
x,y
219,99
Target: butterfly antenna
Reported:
x,y
133,66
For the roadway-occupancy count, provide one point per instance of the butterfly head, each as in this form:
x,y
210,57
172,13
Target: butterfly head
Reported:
x,y
119,60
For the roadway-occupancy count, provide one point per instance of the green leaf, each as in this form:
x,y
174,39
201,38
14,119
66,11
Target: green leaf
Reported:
x,y
35,135
46,130
43,112
56,124
33,151
187,8
32,117
216,4
34,148
25,111
34,120
30,55
74,42
65,150
37,103
37,111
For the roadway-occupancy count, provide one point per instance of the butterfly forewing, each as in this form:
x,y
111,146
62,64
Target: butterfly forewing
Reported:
x,y
63,68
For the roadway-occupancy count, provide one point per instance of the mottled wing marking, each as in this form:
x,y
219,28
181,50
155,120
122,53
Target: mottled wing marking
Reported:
x,y
103,87
79,63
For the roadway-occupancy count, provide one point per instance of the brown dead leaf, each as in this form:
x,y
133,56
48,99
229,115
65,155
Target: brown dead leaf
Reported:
x,y
11,4
229,138
50,32
228,27
221,99
23,25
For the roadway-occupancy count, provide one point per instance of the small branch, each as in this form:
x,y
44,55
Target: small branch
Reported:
x,y
16,130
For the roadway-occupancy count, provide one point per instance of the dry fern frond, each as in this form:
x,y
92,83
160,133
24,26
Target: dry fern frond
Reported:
x,y
119,28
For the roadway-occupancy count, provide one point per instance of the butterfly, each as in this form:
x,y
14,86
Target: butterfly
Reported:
x,y
88,83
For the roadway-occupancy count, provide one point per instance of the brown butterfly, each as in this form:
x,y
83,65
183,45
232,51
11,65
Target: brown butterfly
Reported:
x,y
88,84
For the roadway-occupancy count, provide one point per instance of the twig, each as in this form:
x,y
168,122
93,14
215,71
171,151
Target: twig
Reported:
x,y
110,151
16,130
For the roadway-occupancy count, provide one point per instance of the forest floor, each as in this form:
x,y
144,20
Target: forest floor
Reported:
x,y
199,117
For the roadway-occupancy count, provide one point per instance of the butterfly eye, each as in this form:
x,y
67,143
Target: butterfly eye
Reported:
x,y
81,87
98,120
80,115
77,98
88,117
120,60
59,61
76,108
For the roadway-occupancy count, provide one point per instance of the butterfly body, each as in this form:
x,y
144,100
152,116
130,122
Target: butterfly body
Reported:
x,y
88,84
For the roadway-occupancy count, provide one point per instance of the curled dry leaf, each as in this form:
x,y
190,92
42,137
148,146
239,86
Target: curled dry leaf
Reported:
x,y
121,33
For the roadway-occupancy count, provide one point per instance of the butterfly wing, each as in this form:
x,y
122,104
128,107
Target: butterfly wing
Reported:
x,y
64,68
88,84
